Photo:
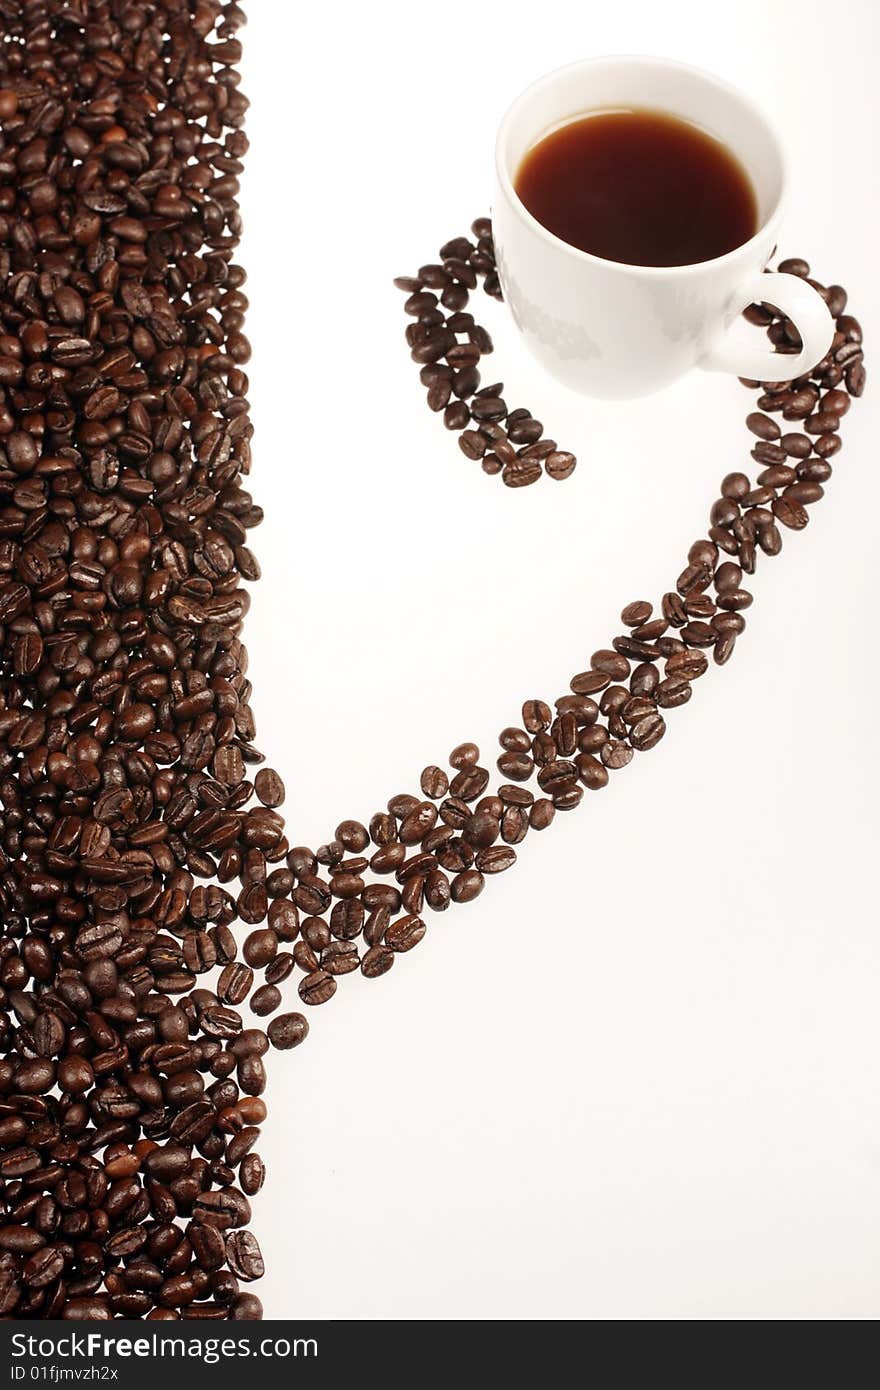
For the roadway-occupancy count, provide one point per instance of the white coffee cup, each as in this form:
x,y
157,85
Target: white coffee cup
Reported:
x,y
614,330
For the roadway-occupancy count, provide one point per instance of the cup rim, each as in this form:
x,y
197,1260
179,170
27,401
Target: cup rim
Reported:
x,y
636,59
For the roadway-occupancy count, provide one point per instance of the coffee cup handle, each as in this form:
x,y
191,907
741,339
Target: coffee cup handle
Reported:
x,y
798,301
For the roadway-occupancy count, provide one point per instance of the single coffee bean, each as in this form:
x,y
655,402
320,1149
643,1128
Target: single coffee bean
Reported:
x,y
763,426
252,1174
377,961
790,513
648,732
616,754
317,987
636,613
591,771
522,472
559,464
269,787
265,1000
287,1031
405,933
495,859
541,814
610,663
467,885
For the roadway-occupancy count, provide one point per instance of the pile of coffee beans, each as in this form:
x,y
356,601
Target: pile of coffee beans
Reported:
x,y
129,1098
148,889
449,345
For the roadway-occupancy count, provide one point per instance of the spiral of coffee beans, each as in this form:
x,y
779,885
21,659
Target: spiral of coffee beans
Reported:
x,y
148,889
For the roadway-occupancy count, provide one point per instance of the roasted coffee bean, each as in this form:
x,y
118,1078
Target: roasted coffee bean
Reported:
x,y
727,576
636,613
495,859
763,426
567,795
591,771
795,445
260,946
353,836
516,740
735,599
252,1174
472,444
482,828
251,1074
43,1267
610,663
265,1000
434,783
616,754
250,1042
516,766
564,732
589,682
653,631
723,648
592,738
634,650
815,470
536,716
243,1255
559,464
673,691
799,404
463,755
235,983
514,825
690,664
521,472
542,813
269,787
822,422
317,987
790,513
827,445
466,886
697,634
674,610
436,891
855,378
469,783
377,961
647,732
287,1031
246,1308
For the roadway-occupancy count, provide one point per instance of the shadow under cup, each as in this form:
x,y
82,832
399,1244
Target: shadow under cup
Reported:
x,y
600,326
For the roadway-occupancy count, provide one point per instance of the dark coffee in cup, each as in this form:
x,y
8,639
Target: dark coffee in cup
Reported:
x,y
639,186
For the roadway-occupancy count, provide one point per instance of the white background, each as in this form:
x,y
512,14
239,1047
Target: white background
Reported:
x,y
638,1078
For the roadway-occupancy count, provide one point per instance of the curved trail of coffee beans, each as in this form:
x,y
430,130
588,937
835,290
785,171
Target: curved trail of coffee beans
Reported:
x,y
130,841
448,344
